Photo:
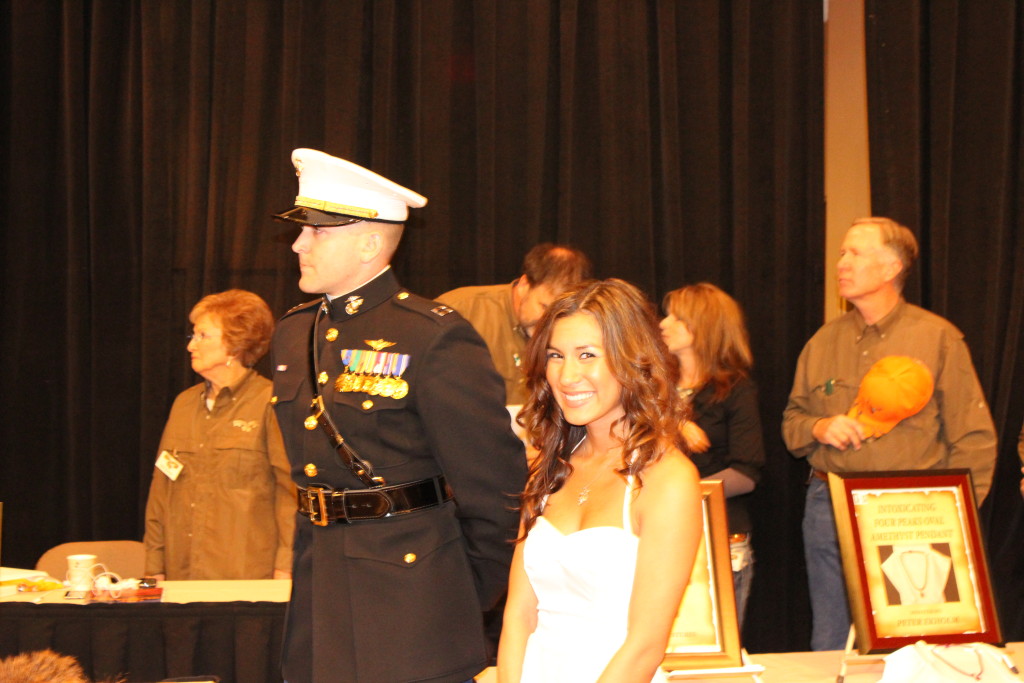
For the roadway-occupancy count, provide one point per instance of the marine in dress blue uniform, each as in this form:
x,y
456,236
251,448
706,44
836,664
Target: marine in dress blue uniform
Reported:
x,y
391,573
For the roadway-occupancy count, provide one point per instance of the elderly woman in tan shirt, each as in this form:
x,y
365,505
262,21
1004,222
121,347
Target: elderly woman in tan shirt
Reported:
x,y
222,503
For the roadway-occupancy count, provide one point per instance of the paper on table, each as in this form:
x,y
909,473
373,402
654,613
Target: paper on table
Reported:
x,y
10,577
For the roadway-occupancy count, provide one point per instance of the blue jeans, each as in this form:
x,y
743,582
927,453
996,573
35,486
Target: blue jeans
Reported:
x,y
830,610
741,585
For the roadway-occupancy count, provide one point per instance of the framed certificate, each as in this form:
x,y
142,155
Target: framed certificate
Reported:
x,y
913,559
705,634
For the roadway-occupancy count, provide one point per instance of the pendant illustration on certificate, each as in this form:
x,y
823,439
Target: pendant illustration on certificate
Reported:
x,y
918,574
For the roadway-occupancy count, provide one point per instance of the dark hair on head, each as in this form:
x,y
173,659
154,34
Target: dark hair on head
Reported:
x,y
900,239
244,319
639,361
556,265
721,344
45,665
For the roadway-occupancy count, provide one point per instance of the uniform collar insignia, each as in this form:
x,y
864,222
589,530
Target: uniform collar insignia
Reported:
x,y
352,304
370,295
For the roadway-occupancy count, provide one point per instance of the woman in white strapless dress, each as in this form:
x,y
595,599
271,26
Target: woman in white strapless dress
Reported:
x,y
612,513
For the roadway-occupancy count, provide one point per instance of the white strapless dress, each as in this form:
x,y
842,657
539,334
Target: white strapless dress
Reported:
x,y
583,583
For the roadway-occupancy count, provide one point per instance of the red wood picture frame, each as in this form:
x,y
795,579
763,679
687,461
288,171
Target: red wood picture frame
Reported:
x,y
913,559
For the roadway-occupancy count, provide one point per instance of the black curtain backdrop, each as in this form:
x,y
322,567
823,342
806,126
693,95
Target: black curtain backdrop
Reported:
x,y
947,159
147,142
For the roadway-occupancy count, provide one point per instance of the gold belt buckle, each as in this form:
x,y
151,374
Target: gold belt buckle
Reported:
x,y
318,517
322,521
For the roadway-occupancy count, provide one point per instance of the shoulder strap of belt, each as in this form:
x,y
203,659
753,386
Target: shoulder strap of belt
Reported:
x,y
360,468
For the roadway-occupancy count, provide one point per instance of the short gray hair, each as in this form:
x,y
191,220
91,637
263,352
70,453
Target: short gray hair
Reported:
x,y
897,237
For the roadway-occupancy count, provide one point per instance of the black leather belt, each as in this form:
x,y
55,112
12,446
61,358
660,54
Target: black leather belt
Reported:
x,y
324,505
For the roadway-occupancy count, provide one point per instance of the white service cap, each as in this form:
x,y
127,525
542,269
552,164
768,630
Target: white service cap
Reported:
x,y
333,191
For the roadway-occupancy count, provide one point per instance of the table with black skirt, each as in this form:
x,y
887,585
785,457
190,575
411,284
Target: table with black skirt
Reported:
x,y
228,629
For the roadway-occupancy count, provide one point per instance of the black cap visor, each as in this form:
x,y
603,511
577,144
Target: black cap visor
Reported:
x,y
315,217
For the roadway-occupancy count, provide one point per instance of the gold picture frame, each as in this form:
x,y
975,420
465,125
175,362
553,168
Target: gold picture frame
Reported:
x,y
706,634
913,559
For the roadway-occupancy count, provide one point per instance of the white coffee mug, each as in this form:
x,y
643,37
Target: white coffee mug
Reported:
x,y
80,572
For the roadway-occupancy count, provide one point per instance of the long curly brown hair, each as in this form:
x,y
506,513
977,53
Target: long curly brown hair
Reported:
x,y
639,360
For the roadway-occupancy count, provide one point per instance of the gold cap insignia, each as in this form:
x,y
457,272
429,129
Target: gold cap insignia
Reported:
x,y
367,404
335,207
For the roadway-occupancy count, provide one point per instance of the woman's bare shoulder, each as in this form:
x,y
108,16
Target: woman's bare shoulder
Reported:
x,y
670,493
672,471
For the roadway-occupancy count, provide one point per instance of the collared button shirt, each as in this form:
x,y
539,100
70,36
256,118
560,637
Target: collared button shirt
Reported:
x,y
954,430
489,310
230,514
733,428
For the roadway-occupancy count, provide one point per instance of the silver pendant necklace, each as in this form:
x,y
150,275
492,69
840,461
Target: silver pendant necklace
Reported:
x,y
584,494
923,558
969,674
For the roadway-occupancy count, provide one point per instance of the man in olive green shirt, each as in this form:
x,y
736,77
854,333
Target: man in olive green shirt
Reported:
x,y
953,430
505,315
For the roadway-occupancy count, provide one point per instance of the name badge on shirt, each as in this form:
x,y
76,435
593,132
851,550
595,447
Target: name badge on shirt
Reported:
x,y
169,465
